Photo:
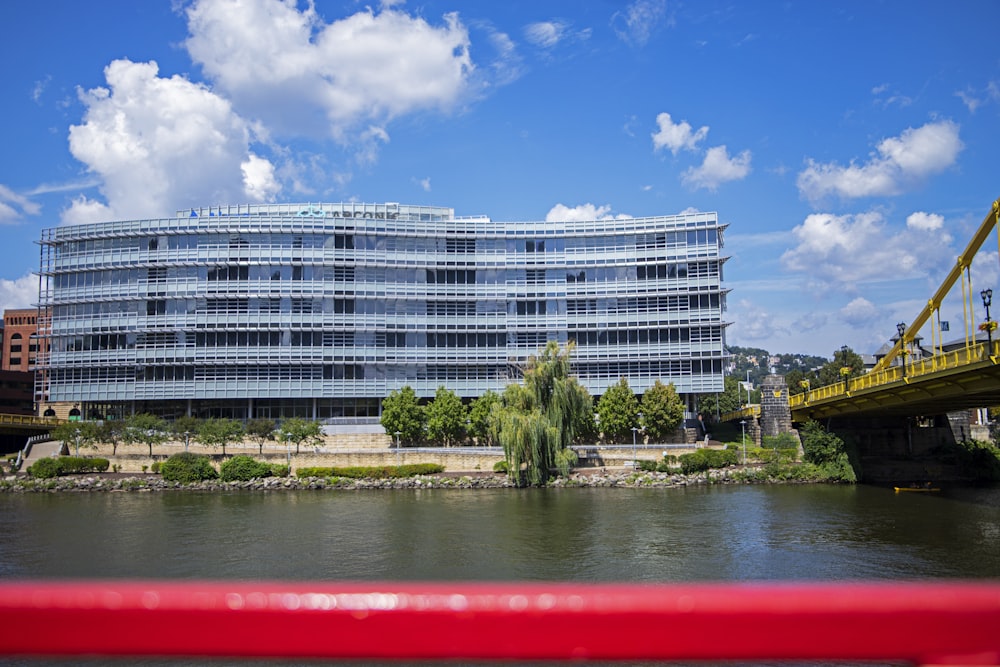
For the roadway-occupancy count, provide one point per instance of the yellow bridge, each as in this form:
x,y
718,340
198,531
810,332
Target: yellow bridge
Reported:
x,y
968,377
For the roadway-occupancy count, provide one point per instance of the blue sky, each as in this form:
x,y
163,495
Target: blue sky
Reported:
x,y
852,147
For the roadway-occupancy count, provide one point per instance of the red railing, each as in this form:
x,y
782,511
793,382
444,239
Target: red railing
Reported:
x,y
924,623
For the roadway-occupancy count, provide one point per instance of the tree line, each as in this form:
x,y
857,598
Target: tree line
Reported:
x,y
151,430
537,420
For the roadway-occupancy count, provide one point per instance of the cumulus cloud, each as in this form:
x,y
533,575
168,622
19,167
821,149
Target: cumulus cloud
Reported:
x,y
561,213
640,20
303,77
19,293
844,251
860,312
675,136
717,168
925,221
159,144
13,207
900,162
753,323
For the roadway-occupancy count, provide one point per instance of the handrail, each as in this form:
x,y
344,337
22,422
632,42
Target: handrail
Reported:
x,y
914,369
920,622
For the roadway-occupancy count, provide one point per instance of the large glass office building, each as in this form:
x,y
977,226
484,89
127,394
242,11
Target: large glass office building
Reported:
x,y
321,310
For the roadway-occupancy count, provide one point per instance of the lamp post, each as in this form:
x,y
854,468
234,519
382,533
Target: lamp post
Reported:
x,y
187,439
76,441
987,295
901,329
743,438
634,431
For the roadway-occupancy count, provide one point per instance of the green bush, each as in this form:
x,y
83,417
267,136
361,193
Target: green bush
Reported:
x,y
155,468
45,468
705,459
243,468
500,466
66,465
373,472
76,464
280,470
186,467
647,466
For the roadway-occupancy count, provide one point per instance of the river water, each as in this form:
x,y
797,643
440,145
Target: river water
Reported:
x,y
707,533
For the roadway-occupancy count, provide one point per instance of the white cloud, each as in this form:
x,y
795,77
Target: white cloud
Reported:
x,y
842,252
258,179
900,162
19,293
545,34
861,312
925,221
561,213
753,323
718,168
424,183
676,136
13,207
638,22
83,210
303,77
160,144
974,99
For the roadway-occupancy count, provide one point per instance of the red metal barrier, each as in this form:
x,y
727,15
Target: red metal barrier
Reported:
x,y
928,623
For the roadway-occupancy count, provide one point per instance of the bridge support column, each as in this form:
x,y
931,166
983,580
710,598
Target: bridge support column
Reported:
x,y
775,415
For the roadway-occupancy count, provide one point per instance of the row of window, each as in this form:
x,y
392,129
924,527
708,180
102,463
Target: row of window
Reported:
x,y
612,370
381,339
395,243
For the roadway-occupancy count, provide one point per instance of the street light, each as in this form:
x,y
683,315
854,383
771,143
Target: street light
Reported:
x,y
901,328
634,431
743,439
76,440
987,295
187,439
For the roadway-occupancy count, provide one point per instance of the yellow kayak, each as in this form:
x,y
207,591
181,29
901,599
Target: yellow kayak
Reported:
x,y
916,489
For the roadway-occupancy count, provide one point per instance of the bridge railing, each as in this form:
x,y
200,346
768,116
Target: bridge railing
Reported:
x,y
913,369
918,622
28,420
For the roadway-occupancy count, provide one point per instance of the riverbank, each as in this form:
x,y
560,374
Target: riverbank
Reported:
x,y
626,478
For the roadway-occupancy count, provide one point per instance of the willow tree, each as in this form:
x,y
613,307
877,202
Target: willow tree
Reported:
x,y
536,421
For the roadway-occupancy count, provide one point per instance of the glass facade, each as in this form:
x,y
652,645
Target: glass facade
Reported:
x,y
322,310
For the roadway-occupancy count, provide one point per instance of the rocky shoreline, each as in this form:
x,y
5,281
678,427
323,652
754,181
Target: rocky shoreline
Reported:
x,y
155,483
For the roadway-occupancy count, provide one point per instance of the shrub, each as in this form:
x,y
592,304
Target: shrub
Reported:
x,y
45,468
66,465
155,468
704,459
280,470
243,468
186,467
500,466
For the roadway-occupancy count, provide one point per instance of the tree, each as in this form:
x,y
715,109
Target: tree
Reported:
x,y
402,413
480,414
846,363
77,434
298,430
536,421
111,432
219,432
146,429
445,417
662,410
618,410
260,431
184,427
